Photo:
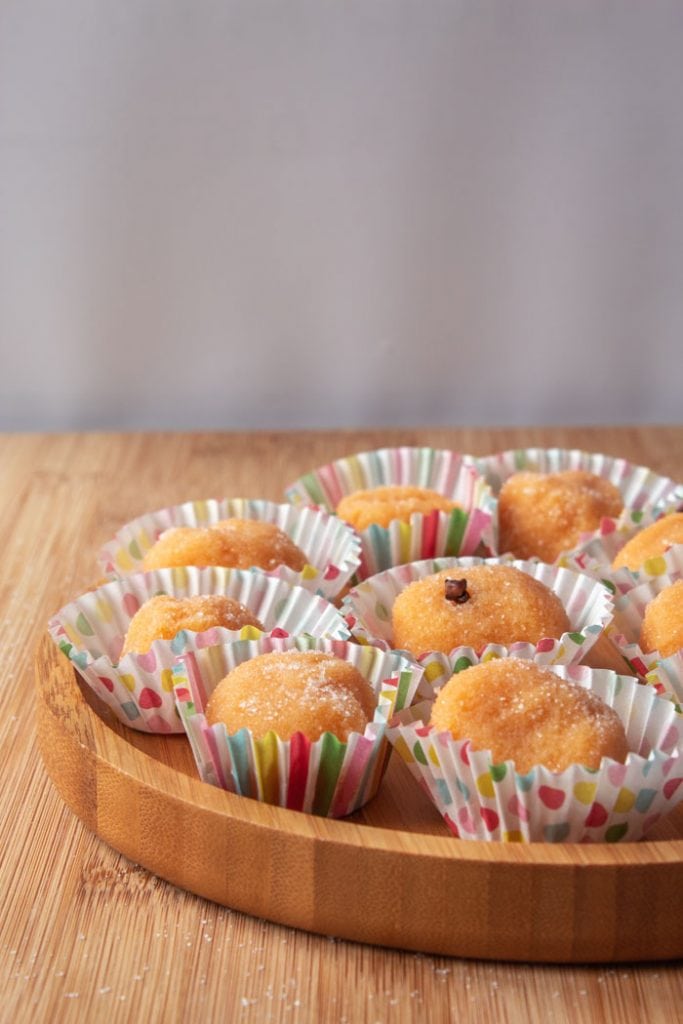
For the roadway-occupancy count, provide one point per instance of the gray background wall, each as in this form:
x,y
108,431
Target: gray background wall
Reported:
x,y
275,213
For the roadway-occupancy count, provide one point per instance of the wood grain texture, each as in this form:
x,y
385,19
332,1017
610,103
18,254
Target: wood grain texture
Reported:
x,y
531,902
86,934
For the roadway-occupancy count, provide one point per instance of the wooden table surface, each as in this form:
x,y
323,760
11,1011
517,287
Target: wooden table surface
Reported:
x,y
87,935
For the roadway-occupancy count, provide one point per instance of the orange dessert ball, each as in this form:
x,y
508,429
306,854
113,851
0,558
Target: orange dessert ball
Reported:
x,y
233,543
262,544
525,713
651,541
543,514
311,692
662,628
381,505
490,604
162,617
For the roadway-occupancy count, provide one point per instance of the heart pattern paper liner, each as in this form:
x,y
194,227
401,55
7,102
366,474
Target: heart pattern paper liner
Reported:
x,y
466,530
138,688
327,777
367,609
483,800
331,547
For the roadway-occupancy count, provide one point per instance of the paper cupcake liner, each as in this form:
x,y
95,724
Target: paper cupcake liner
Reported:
x,y
139,687
467,530
367,609
330,545
327,777
597,551
641,487
667,679
665,674
483,800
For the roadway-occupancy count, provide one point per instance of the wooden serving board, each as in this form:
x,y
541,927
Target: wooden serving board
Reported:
x,y
391,875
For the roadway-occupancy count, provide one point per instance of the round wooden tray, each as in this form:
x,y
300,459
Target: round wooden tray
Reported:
x,y
391,875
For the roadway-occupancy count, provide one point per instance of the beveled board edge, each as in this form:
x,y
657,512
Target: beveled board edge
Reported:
x,y
539,902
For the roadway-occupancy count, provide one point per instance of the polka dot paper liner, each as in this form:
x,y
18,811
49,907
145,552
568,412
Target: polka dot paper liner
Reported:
x,y
665,674
367,609
326,777
641,488
597,551
466,530
138,688
331,547
483,800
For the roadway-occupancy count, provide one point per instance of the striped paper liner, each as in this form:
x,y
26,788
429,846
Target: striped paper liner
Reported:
x,y
138,688
327,777
367,609
483,800
331,547
467,530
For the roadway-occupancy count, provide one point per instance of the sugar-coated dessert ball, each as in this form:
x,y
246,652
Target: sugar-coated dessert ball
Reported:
x,y
651,541
525,713
162,617
381,505
475,606
262,544
662,628
233,543
189,545
311,692
543,514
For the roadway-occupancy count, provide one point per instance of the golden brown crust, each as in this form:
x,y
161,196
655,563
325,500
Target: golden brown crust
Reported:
x,y
311,692
381,505
662,628
162,617
504,605
544,514
233,543
651,541
525,713
262,544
